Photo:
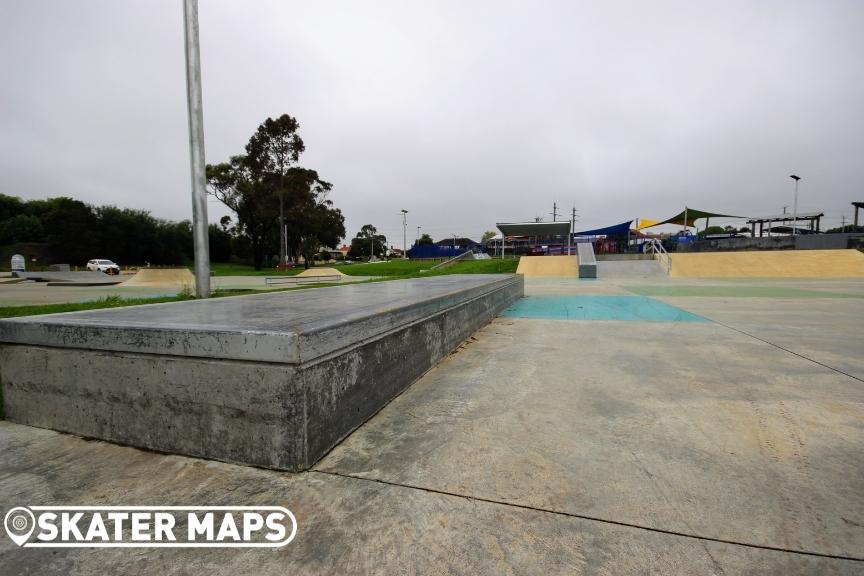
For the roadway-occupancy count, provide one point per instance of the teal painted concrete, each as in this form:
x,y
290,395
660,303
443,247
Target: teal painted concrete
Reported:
x,y
627,308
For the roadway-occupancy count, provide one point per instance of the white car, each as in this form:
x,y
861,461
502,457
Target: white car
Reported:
x,y
106,266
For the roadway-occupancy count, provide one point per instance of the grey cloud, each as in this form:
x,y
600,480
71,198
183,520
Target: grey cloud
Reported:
x,y
463,113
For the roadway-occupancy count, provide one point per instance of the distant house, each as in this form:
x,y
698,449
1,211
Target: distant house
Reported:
x,y
336,253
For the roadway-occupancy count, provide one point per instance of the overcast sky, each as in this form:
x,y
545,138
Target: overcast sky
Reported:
x,y
462,112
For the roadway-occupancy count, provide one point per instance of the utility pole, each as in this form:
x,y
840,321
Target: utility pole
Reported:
x,y
554,211
843,223
283,237
196,150
795,206
572,229
404,234
418,235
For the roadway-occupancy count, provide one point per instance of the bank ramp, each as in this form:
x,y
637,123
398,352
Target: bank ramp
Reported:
x,y
162,277
770,264
548,266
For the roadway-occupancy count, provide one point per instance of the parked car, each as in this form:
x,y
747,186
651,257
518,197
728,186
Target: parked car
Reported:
x,y
106,266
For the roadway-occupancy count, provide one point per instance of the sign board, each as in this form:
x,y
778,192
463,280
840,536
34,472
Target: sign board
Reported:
x,y
18,263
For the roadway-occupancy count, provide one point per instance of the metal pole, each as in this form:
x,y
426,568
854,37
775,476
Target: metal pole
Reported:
x,y
795,206
196,150
404,234
283,232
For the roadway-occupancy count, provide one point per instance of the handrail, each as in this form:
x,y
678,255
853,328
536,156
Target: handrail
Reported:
x,y
657,249
453,260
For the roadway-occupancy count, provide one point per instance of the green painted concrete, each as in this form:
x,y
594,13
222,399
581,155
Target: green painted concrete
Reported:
x,y
736,292
626,308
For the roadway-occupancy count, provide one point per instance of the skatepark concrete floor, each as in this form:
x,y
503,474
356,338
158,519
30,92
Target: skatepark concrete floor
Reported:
x,y
584,431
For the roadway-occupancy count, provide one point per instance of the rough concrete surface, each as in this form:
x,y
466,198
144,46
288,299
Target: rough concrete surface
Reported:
x,y
346,525
542,446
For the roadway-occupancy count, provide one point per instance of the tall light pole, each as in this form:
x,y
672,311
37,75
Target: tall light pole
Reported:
x,y
418,235
404,234
795,206
196,150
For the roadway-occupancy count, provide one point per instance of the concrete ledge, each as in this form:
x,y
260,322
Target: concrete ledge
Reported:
x,y
272,380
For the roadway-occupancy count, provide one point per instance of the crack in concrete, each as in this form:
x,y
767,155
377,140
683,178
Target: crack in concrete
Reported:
x,y
779,347
595,518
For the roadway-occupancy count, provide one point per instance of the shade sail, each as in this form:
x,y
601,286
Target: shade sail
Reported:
x,y
646,223
691,215
534,228
616,230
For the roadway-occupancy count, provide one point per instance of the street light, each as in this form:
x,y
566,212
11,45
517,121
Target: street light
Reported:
x,y
795,205
404,234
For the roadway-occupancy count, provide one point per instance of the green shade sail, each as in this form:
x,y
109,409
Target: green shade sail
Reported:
x,y
688,217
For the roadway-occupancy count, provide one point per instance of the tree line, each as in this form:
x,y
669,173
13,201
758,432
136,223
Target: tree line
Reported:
x,y
74,232
265,188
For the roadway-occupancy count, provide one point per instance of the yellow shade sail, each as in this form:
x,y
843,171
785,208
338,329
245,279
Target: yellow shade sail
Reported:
x,y
646,223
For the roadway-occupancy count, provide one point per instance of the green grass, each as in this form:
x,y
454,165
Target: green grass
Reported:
x,y
422,268
106,302
392,269
230,269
